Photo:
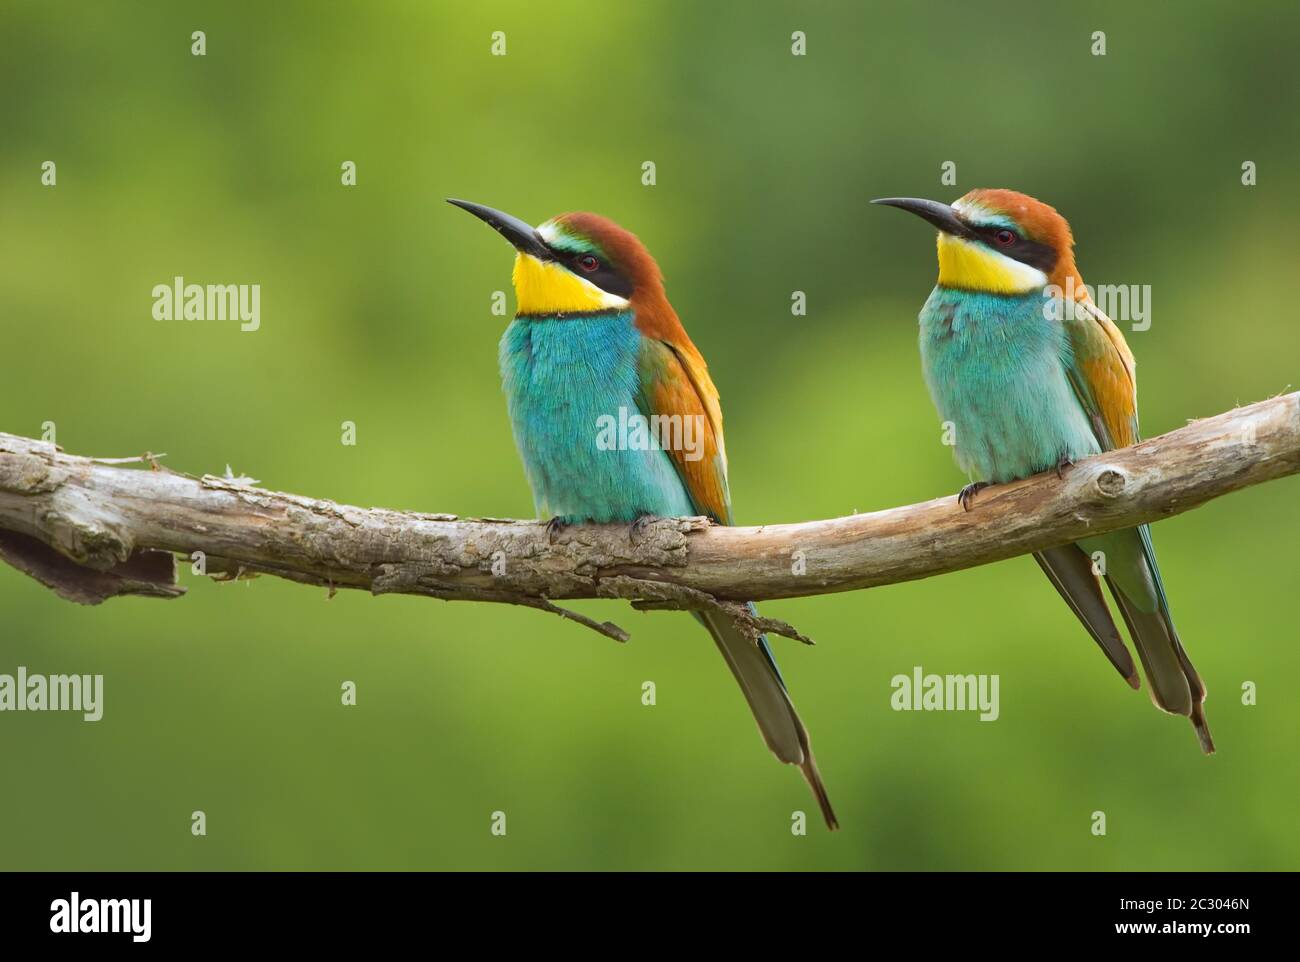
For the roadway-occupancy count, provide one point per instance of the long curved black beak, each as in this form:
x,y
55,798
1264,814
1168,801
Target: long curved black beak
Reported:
x,y
523,237
940,215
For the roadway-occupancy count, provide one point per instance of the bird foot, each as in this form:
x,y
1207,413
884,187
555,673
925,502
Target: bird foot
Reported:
x,y
1063,462
554,528
965,495
637,528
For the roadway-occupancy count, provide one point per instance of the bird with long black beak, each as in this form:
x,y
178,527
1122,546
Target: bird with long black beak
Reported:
x,y
617,419
1033,376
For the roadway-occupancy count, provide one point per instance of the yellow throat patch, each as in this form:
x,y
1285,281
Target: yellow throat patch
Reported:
x,y
544,287
973,267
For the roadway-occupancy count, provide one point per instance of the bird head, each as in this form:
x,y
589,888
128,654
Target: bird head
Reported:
x,y
576,263
998,241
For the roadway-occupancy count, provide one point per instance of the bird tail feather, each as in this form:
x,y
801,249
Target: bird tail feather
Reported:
x,y
778,722
1070,570
1134,581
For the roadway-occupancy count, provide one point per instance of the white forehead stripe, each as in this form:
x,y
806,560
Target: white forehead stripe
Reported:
x,y
975,213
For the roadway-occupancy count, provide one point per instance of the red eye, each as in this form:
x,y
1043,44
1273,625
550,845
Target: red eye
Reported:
x,y
588,263
1005,238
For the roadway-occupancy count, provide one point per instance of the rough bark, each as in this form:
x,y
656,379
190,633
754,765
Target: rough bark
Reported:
x,y
94,528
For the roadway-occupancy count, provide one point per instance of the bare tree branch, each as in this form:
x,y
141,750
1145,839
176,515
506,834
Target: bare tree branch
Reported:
x,y
94,528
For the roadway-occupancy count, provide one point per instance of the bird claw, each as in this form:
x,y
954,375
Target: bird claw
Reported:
x,y
553,529
965,494
638,526
1063,462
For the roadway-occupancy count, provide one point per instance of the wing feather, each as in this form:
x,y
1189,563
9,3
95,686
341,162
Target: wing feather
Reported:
x,y
1102,372
675,383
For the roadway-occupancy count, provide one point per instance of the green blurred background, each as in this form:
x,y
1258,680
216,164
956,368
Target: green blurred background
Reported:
x,y
375,308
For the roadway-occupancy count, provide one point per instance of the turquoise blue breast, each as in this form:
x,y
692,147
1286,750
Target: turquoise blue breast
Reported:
x,y
996,369
560,377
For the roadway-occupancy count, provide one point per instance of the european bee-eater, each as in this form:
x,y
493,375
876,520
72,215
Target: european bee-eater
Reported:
x,y
1033,376
595,340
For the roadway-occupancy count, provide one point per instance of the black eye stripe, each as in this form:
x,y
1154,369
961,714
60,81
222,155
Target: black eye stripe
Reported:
x,y
605,276
991,233
1042,256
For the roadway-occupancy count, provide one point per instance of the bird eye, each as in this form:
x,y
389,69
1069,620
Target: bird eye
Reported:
x,y
1005,238
588,263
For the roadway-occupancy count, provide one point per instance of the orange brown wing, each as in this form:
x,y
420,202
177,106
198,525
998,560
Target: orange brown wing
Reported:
x,y
675,384
1103,375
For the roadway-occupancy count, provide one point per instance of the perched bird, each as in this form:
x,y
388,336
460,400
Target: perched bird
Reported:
x,y
596,342
1033,376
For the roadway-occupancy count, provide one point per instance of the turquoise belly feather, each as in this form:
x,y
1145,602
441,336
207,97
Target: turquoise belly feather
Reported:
x,y
560,376
996,368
